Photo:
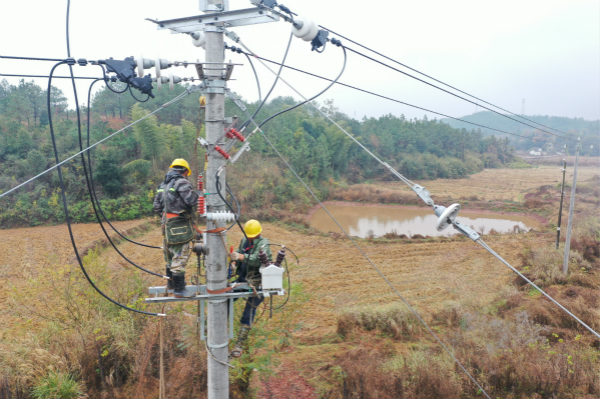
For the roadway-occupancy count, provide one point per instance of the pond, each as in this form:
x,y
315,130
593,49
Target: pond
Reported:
x,y
364,221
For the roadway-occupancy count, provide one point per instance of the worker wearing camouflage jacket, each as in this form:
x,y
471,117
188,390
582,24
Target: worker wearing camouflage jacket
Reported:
x,y
175,200
248,270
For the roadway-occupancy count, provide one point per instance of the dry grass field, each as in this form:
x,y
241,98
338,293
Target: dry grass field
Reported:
x,y
304,349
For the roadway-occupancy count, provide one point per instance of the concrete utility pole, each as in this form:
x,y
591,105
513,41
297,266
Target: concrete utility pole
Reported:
x,y
562,195
208,32
216,270
565,268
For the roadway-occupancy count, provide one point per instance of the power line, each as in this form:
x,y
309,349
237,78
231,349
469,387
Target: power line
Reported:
x,y
290,19
355,244
364,254
12,57
46,76
172,101
238,50
424,195
451,93
64,200
439,81
92,193
313,97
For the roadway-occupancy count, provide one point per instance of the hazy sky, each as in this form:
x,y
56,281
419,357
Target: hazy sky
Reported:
x,y
540,56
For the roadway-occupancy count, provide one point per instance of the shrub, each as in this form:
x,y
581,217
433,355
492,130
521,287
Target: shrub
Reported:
x,y
398,322
57,385
586,239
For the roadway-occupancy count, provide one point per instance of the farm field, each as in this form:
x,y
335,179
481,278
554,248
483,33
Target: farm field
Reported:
x,y
303,340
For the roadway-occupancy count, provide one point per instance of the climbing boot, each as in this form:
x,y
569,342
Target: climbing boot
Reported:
x,y
179,285
170,285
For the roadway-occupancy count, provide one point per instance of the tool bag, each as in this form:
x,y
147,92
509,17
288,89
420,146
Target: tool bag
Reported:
x,y
179,230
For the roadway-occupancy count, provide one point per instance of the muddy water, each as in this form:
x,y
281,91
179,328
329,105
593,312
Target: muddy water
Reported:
x,y
376,220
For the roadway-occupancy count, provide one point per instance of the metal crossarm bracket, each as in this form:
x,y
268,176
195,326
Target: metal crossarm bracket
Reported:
x,y
247,16
199,293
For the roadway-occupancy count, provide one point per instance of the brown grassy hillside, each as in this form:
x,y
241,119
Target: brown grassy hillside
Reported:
x,y
344,332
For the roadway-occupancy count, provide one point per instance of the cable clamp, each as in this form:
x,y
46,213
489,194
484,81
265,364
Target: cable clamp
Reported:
x,y
232,35
469,232
336,42
70,61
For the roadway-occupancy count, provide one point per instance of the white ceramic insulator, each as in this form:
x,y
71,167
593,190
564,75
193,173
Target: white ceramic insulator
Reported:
x,y
447,217
163,64
220,216
308,29
199,39
157,71
139,60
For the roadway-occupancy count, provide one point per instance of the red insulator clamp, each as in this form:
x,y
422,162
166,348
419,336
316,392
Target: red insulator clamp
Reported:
x,y
222,152
232,133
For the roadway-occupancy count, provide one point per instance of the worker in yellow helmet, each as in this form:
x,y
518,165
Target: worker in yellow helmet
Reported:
x,y
247,268
175,200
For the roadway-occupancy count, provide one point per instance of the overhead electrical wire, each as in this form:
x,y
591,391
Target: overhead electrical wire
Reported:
x,y
94,199
262,103
364,254
291,20
66,210
61,181
424,195
255,76
92,186
14,75
439,81
12,57
237,50
261,124
149,114
453,94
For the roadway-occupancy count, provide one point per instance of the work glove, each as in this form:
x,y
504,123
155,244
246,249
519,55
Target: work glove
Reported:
x,y
236,256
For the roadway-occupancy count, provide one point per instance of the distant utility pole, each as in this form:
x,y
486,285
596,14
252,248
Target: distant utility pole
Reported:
x,y
562,195
565,268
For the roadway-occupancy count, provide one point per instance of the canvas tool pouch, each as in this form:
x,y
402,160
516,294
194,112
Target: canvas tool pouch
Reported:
x,y
179,230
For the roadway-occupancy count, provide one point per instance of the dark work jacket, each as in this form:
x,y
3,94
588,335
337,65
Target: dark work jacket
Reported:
x,y
175,195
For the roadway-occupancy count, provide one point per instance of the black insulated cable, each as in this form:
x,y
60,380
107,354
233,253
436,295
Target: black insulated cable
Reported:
x,y
91,178
94,199
237,220
311,98
263,102
60,177
66,208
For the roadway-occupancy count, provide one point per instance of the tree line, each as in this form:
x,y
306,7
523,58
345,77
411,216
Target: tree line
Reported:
x,y
127,168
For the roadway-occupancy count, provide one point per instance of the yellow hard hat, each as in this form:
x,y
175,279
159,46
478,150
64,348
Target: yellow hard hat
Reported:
x,y
182,163
252,228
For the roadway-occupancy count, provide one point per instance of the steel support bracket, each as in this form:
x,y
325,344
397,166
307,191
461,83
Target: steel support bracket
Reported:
x,y
215,86
218,21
